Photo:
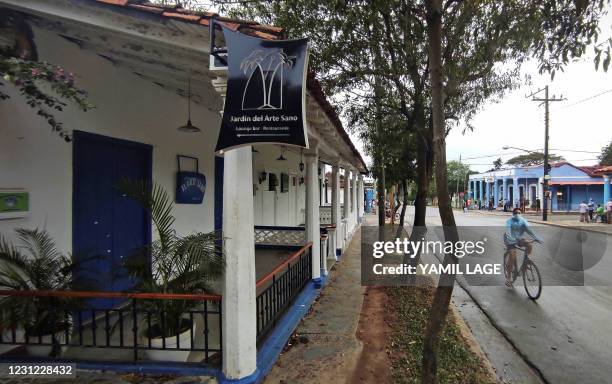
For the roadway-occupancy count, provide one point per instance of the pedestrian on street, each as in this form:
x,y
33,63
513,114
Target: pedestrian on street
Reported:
x,y
584,209
538,204
609,211
600,214
591,207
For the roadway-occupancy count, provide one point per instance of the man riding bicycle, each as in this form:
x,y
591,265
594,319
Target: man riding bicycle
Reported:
x,y
516,229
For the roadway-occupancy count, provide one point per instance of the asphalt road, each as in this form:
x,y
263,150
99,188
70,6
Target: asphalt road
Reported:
x,y
567,334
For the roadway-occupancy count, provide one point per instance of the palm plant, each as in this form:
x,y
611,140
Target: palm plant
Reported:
x,y
171,263
36,265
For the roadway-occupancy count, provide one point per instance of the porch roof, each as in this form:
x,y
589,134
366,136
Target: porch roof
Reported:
x,y
167,44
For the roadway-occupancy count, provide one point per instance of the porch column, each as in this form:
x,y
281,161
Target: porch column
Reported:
x,y
607,195
239,311
487,191
541,192
322,189
505,189
313,226
354,206
360,198
336,214
495,193
481,190
515,192
347,202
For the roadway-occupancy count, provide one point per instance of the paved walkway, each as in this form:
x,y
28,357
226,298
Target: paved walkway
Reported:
x,y
326,347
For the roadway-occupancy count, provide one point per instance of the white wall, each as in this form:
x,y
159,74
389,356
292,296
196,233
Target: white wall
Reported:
x,y
274,207
127,107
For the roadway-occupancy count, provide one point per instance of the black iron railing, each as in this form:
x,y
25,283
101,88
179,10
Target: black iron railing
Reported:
x,y
277,290
130,325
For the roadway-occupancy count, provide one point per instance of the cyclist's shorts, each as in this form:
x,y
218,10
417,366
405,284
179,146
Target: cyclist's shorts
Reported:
x,y
508,242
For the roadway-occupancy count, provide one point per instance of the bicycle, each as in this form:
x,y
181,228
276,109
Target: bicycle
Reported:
x,y
529,270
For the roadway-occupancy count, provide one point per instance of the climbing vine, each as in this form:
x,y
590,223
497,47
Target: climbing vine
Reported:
x,y
46,88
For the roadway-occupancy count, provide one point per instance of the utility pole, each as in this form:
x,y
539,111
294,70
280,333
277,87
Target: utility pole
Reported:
x,y
545,101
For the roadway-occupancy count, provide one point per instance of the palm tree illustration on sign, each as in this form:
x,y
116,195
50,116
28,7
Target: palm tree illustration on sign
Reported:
x,y
264,87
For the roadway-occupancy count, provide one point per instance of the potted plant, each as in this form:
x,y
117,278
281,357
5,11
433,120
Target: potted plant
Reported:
x,y
170,264
36,265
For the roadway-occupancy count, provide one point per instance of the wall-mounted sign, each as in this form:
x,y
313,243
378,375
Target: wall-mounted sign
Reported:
x,y
265,98
190,186
14,204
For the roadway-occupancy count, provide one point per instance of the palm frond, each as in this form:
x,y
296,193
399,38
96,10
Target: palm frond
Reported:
x,y
10,254
155,200
38,243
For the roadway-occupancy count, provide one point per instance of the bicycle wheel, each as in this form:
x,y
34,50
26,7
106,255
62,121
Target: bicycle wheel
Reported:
x,y
532,280
514,271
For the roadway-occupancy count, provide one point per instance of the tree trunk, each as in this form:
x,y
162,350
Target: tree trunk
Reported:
x,y
398,191
392,202
439,308
404,203
381,196
420,202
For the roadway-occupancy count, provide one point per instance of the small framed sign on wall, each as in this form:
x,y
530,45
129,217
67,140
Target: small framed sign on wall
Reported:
x,y
190,185
14,203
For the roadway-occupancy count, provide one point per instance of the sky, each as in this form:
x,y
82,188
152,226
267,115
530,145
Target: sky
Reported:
x,y
576,124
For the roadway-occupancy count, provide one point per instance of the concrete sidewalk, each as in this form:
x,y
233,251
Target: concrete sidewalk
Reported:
x,y
325,347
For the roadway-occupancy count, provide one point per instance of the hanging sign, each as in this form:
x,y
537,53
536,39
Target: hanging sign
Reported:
x,y
190,186
265,98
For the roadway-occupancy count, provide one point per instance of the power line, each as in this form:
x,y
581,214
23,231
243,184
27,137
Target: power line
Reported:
x,y
584,100
493,155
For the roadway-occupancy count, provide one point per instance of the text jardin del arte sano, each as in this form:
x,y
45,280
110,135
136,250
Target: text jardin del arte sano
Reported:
x,y
412,248
259,118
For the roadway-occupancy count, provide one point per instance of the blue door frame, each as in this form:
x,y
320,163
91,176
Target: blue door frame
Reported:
x,y
106,225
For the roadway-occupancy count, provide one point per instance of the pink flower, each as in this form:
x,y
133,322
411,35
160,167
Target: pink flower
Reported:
x,y
35,72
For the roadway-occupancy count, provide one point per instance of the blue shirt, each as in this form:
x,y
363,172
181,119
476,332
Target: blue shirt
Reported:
x,y
516,228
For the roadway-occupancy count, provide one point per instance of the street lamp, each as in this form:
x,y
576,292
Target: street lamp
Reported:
x,y
546,177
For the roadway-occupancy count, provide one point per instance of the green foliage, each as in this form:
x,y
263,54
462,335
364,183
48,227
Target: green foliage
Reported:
x,y
457,174
36,265
606,155
34,79
497,164
178,264
532,158
196,5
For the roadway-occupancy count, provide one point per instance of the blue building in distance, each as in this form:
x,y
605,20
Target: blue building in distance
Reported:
x,y
569,185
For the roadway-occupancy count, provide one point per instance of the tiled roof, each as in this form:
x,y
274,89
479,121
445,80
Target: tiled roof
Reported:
x,y
197,17
247,27
317,92
598,170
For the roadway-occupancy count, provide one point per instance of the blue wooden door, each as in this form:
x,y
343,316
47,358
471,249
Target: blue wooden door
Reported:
x,y
107,225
